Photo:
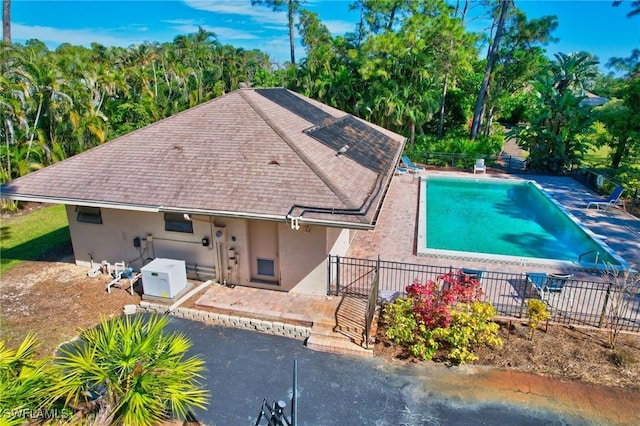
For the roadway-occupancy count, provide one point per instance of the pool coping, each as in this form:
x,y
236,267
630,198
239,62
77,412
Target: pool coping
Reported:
x,y
422,250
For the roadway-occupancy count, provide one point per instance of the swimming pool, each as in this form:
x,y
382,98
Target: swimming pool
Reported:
x,y
498,220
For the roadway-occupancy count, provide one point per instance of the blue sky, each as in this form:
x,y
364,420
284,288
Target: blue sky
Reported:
x,y
590,25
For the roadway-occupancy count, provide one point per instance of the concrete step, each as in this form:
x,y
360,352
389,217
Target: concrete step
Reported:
x,y
350,315
324,340
351,331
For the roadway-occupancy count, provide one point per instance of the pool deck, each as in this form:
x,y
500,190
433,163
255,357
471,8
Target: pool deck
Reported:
x,y
394,238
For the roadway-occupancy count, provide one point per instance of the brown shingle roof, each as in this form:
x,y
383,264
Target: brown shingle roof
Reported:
x,y
250,152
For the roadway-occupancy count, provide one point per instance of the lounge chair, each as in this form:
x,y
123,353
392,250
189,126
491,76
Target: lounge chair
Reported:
x,y
472,273
401,170
613,199
545,283
480,166
410,166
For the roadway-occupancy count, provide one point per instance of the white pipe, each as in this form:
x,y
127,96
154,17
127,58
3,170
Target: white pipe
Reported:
x,y
188,296
295,222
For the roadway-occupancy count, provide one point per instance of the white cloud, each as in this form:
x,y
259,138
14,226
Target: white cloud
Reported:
x,y
224,34
55,36
339,27
258,14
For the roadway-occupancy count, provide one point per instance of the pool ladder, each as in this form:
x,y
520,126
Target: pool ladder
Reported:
x,y
596,251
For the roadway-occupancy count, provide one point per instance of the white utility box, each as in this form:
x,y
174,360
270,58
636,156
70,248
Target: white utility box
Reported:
x,y
164,277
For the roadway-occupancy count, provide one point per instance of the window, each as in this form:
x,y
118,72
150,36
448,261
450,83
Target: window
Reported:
x,y
176,222
88,214
266,267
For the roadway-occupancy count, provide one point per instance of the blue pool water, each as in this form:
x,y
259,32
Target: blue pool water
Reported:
x,y
503,218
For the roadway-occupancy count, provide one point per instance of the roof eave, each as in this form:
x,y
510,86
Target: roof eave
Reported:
x,y
162,209
81,202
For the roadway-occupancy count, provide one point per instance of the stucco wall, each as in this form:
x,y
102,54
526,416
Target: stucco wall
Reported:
x,y
303,259
338,241
113,239
301,253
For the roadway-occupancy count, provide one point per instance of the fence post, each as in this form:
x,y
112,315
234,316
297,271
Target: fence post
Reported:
x,y
524,294
338,273
329,275
294,397
604,306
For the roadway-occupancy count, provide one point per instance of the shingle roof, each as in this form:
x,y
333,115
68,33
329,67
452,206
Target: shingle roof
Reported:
x,y
253,152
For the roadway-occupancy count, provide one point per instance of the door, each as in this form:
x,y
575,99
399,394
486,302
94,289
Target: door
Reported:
x,y
263,243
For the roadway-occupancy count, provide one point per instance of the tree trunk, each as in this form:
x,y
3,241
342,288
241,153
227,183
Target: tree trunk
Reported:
x,y
290,16
442,104
491,59
6,21
412,134
618,154
487,128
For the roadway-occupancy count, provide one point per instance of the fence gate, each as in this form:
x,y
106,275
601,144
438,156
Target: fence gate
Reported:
x,y
350,276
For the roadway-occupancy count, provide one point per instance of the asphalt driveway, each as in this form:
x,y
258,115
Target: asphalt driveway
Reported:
x,y
246,367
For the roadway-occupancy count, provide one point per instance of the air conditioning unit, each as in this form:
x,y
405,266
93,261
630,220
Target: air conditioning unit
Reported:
x,y
164,277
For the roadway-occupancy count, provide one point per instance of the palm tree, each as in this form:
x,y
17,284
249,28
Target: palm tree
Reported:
x,y
24,381
129,370
6,21
503,9
292,8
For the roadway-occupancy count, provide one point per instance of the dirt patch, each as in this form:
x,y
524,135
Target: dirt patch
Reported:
x,y
559,351
54,299
562,370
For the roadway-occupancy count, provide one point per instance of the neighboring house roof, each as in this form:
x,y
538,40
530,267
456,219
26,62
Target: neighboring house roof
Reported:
x,y
255,153
593,100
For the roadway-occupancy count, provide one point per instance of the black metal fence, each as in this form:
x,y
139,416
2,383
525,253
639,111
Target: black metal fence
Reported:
x,y
504,162
604,185
583,303
592,179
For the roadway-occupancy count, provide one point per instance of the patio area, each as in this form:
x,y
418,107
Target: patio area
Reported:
x,y
394,238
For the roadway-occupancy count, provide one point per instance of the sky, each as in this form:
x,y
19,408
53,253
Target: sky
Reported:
x,y
594,26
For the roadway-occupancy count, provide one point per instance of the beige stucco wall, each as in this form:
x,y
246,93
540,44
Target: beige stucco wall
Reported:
x,y
113,239
302,253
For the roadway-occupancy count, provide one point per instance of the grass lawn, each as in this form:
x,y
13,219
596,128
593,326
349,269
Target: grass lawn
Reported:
x,y
598,156
30,236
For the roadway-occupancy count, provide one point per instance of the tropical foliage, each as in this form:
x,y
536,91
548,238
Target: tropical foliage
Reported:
x,y
129,371
410,66
55,104
443,315
125,371
24,383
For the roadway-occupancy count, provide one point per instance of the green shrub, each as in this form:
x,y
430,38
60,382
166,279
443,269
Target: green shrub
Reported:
x,y
471,325
425,346
453,319
400,320
536,313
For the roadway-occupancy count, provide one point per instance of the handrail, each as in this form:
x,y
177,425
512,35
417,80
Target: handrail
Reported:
x,y
372,302
596,251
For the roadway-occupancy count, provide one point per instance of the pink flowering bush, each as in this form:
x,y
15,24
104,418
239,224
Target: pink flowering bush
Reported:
x,y
446,314
433,305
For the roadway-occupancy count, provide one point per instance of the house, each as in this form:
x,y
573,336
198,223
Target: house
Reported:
x,y
593,100
256,188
